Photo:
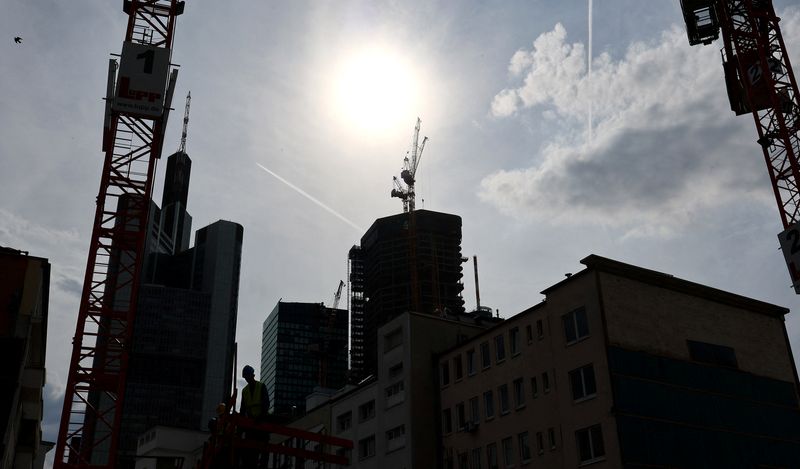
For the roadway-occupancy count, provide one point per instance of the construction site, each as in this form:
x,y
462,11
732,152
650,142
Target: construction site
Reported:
x,y
183,352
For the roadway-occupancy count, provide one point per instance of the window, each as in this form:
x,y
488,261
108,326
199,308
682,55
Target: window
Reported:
x,y
539,329
508,452
445,374
513,338
463,461
529,333
486,358
534,388
491,455
392,340
576,326
366,411
590,444
503,391
551,438
476,458
396,370
583,383
499,348
396,438
471,362
475,410
344,421
394,389
713,354
461,415
519,393
545,382
366,447
488,404
524,447
447,421
459,367
540,442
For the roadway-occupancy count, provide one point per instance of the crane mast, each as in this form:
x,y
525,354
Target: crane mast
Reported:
x,y
182,147
759,81
138,97
405,190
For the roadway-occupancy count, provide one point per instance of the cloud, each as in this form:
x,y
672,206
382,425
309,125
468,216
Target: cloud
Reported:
x,y
666,145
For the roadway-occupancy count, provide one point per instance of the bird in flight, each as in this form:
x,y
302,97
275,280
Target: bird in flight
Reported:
x,y
18,40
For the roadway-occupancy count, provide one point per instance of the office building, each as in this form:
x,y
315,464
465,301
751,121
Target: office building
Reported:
x,y
622,366
304,346
24,292
181,361
406,262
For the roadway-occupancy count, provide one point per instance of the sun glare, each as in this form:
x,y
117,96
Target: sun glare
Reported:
x,y
375,90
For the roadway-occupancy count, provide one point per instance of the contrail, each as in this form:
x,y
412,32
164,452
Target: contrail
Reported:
x,y
311,198
590,73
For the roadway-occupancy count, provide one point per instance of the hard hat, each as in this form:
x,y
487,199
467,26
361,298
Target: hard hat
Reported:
x,y
248,371
220,408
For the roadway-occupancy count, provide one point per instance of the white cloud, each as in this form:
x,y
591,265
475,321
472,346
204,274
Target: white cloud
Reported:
x,y
666,145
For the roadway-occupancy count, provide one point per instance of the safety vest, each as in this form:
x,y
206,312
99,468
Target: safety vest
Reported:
x,y
252,399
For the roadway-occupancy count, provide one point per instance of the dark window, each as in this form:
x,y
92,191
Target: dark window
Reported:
x,y
582,382
366,411
488,404
366,447
519,393
486,357
545,382
500,348
540,442
447,421
344,421
461,415
475,409
459,367
445,374
491,455
396,370
590,444
503,391
470,362
529,333
463,461
534,387
513,338
476,458
576,325
524,447
714,354
508,451
551,437
539,329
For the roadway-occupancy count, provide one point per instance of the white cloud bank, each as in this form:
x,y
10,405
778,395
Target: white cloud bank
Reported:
x,y
666,145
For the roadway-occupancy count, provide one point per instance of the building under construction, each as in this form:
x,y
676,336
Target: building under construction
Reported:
x,y
406,262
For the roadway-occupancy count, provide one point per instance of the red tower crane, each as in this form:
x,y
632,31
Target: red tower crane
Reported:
x,y
138,99
760,81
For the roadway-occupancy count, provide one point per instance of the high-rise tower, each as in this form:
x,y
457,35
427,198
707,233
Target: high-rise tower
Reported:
x,y
402,261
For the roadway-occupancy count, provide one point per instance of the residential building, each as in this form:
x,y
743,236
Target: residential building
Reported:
x,y
406,262
24,293
169,447
622,366
304,346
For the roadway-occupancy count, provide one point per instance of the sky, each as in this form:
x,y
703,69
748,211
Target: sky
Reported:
x,y
303,111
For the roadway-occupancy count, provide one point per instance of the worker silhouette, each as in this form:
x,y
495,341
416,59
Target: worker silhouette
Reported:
x,y
255,404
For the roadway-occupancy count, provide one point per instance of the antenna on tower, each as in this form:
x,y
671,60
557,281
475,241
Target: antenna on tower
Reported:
x,y
182,148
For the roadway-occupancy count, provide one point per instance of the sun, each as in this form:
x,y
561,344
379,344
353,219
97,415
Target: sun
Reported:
x,y
375,90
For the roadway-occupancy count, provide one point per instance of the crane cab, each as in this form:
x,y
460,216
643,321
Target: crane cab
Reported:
x,y
702,22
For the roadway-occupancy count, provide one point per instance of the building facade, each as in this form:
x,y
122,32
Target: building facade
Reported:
x,y
406,262
304,346
624,367
24,293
